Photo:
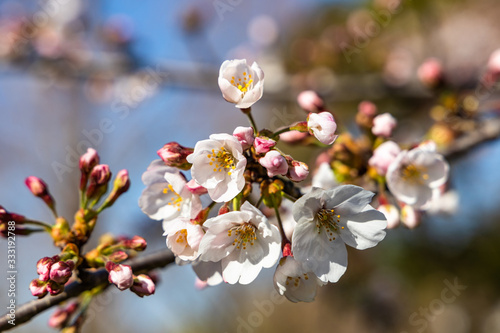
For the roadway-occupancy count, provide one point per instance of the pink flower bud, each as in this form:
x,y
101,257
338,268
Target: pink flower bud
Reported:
x,y
61,271
196,188
293,136
245,136
99,178
174,155
143,286
383,125
263,145
310,101
43,268
36,186
367,108
38,288
410,216
383,156
391,214
323,127
100,174
223,210
135,243
274,163
298,171
61,316
88,160
120,275
430,73
40,189
54,288
494,62
122,182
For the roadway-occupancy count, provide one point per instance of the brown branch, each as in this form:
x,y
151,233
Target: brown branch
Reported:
x,y
487,130
27,311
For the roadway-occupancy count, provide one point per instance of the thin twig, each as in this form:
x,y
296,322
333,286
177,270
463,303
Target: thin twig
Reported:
x,y
29,310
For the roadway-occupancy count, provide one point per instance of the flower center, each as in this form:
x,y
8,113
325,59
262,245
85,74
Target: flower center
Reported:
x,y
329,221
244,233
414,174
296,280
242,85
222,160
176,199
181,236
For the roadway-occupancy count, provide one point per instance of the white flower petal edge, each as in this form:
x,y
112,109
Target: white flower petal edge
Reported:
x,y
329,219
166,195
294,281
241,84
414,175
243,241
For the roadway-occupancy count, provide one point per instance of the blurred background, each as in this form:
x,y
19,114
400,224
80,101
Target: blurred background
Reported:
x,y
126,77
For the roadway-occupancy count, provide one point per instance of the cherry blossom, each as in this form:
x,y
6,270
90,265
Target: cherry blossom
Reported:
x,y
241,84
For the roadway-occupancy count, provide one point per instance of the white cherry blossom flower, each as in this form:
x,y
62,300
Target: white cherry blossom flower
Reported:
x,y
391,214
243,241
294,281
218,165
183,237
414,175
166,195
241,84
327,220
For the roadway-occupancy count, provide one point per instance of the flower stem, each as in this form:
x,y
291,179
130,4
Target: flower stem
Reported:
x,y
259,201
44,225
289,197
278,132
248,112
280,224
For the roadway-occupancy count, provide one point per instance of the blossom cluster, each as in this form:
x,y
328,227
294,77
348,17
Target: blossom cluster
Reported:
x,y
250,178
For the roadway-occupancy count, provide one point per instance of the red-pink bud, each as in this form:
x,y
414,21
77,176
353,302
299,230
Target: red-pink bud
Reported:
x,y
174,155
40,189
122,181
6,216
310,101
298,171
195,188
287,250
136,243
143,285
120,275
38,288
89,160
224,210
263,145
100,174
43,268
245,136
55,288
61,271
118,256
60,317
36,186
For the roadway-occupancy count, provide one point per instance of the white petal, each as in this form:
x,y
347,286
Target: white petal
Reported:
x,y
229,92
364,230
349,199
